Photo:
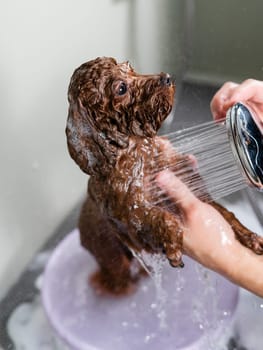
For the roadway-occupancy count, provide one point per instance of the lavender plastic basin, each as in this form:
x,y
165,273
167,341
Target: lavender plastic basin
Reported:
x,y
197,306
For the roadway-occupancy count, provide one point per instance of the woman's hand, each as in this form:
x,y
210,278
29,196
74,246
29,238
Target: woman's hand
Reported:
x,y
210,240
249,92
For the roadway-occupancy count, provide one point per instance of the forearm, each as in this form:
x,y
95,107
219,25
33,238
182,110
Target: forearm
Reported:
x,y
246,269
239,265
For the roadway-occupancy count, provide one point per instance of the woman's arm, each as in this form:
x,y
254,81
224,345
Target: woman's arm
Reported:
x,y
210,240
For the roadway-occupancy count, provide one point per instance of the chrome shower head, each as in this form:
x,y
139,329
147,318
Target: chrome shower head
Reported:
x,y
246,139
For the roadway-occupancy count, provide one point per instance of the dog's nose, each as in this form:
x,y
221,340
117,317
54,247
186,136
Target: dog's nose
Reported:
x,y
165,79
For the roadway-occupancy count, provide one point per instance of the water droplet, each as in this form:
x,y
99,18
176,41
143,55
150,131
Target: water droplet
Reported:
x,y
145,288
149,337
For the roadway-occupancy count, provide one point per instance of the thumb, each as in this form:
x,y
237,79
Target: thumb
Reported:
x,y
177,190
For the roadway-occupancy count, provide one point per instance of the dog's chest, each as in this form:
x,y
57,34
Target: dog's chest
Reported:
x,y
130,183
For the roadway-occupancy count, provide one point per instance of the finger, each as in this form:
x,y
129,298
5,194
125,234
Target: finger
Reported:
x,y
193,161
219,100
177,190
250,89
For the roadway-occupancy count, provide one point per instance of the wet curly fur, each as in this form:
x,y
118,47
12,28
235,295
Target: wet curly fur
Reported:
x,y
114,115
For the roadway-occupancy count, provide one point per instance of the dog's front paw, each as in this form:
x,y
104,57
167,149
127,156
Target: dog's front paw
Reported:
x,y
258,245
173,243
174,255
252,241
163,232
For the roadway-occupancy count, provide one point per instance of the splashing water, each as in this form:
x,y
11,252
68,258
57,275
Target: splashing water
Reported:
x,y
175,301
205,162
209,292
154,264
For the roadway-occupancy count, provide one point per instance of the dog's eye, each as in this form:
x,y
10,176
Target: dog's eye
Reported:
x,y
122,89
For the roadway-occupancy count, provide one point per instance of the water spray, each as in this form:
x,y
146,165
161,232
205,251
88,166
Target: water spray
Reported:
x,y
228,156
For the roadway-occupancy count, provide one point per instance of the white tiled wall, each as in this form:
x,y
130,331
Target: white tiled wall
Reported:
x,y
41,42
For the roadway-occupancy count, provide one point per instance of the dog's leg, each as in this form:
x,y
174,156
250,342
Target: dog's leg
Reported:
x,y
246,237
161,231
114,259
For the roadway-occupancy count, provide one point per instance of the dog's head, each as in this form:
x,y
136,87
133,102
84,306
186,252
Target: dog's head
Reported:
x,y
108,103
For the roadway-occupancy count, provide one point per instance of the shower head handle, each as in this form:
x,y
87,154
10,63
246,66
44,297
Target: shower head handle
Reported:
x,y
246,139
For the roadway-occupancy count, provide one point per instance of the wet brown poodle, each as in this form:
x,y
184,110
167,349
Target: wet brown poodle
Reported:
x,y
114,115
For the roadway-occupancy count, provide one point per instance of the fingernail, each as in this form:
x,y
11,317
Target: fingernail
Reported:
x,y
165,176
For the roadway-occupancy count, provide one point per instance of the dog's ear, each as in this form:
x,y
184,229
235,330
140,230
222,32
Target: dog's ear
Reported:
x,y
93,150
80,138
